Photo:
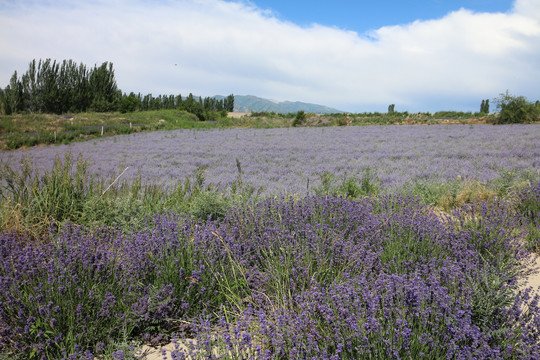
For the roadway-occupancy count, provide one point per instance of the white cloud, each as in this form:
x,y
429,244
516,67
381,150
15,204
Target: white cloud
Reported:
x,y
222,47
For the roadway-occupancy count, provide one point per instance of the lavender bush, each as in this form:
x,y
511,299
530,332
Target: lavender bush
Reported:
x,y
319,276
379,279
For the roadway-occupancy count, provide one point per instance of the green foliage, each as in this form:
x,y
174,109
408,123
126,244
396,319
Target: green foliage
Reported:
x,y
484,107
128,103
228,103
54,87
2,102
391,108
57,195
209,205
516,109
532,238
29,201
299,119
493,289
351,187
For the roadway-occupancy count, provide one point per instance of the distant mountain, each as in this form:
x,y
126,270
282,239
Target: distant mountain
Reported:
x,y
250,103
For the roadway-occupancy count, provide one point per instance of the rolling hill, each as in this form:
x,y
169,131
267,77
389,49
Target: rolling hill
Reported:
x,y
250,103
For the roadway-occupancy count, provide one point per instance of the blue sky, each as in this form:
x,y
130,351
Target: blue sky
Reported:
x,y
355,56
362,16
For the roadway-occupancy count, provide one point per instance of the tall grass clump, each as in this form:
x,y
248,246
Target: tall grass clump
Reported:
x,y
31,201
454,194
352,187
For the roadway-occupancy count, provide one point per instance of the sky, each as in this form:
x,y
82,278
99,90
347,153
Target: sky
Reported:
x,y
356,56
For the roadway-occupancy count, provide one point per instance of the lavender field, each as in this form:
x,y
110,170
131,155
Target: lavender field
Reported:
x,y
283,160
92,274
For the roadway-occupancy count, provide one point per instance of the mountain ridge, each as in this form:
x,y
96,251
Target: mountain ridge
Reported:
x,y
251,103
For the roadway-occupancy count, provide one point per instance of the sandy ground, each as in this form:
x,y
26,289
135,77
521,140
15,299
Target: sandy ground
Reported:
x,y
237,114
162,353
534,279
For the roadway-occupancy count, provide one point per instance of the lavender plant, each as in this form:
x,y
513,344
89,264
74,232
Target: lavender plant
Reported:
x,y
285,278
392,281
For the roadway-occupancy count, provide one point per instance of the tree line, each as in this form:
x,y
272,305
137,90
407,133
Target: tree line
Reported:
x,y
49,86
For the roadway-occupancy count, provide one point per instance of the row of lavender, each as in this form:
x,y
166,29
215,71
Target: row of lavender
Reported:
x,y
288,160
319,278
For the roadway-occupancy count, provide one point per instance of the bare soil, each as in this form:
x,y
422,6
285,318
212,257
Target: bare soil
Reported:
x,y
533,279
238,115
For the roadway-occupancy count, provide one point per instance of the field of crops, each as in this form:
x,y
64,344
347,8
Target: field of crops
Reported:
x,y
344,255
284,159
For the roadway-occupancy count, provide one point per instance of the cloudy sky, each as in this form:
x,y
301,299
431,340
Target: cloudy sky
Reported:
x,y
422,55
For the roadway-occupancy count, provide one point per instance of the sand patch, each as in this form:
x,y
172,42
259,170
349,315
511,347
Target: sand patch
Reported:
x,y
238,115
533,279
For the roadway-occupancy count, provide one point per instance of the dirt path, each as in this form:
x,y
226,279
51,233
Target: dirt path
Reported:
x,y
161,353
534,278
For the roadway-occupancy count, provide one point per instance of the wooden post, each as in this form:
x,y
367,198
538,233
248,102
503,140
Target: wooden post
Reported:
x,y
101,130
54,135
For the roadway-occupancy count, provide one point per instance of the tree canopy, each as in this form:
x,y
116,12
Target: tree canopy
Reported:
x,y
49,86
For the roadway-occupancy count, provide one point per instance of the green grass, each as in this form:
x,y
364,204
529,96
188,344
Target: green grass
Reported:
x,y
32,203
27,130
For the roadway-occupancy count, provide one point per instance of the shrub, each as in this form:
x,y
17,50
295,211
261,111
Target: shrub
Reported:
x,y
209,205
128,103
299,119
516,109
351,187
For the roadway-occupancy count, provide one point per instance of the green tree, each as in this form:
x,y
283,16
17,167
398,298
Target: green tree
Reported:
x,y
516,109
128,103
299,118
228,103
2,102
391,108
14,95
47,83
103,88
484,107
179,103
30,89
145,104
